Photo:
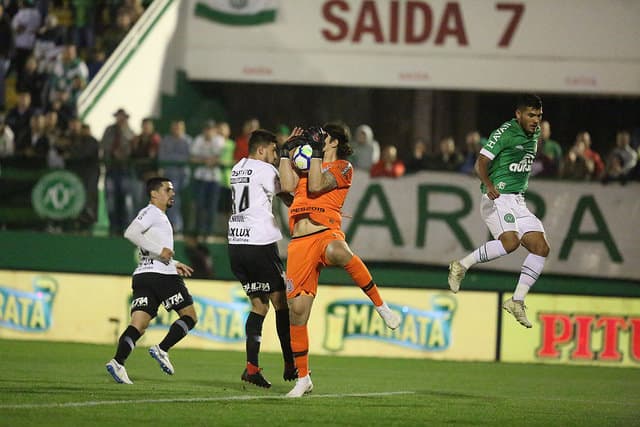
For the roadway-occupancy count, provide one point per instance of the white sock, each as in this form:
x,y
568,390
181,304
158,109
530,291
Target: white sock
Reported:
x,y
490,250
529,273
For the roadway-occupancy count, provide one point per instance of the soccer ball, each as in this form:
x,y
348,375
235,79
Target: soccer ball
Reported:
x,y
302,157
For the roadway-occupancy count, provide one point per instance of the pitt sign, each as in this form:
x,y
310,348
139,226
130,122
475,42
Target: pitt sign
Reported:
x,y
576,329
480,44
432,218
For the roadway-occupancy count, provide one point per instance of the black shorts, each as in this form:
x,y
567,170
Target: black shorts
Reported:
x,y
258,267
152,289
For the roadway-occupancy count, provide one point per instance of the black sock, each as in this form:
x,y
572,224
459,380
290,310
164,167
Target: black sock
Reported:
x,y
178,330
253,329
284,333
126,343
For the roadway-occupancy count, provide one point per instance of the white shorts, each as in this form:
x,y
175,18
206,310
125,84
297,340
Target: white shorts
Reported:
x,y
508,212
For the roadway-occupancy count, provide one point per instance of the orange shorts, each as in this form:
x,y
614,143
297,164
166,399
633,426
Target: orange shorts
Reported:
x,y
305,258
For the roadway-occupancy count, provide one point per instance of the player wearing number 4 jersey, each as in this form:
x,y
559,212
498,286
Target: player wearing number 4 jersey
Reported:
x,y
157,280
504,166
253,251
317,241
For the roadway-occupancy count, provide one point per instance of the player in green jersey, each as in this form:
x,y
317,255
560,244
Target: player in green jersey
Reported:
x,y
504,166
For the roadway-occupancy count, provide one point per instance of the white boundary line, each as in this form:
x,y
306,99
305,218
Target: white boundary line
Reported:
x,y
194,399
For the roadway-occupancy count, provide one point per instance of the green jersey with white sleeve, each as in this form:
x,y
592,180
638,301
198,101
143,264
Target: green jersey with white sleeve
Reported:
x,y
512,153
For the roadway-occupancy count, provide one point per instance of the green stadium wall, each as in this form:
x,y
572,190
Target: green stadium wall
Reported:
x,y
24,250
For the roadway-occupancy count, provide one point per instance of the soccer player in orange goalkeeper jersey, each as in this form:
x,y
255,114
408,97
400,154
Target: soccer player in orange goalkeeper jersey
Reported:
x,y
316,238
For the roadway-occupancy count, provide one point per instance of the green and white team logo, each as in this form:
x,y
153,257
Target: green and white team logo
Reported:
x,y
238,12
509,218
58,195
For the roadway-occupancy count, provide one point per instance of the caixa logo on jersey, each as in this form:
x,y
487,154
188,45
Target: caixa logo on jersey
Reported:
x,y
419,330
217,320
28,311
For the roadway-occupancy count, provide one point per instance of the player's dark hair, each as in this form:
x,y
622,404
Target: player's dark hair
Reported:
x,y
341,132
528,100
261,137
154,184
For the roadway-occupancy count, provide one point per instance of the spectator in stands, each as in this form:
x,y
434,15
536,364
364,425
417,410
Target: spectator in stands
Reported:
x,y
7,45
207,174
133,8
614,169
144,158
622,160
389,165
69,77
592,155
58,146
226,163
116,148
473,145
19,119
43,6
366,150
25,23
33,81
36,146
173,159
576,165
49,43
419,161
448,158
7,143
116,32
635,144
549,155
242,142
199,258
83,159
82,30
97,58
65,112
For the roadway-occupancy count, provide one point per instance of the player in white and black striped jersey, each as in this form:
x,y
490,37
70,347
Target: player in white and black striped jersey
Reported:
x,y
157,280
253,235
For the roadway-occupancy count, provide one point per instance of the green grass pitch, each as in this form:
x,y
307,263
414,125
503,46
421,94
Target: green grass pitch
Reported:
x,y
62,384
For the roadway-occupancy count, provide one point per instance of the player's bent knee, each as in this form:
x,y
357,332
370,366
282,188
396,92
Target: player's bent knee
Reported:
x,y
189,321
338,253
543,250
510,244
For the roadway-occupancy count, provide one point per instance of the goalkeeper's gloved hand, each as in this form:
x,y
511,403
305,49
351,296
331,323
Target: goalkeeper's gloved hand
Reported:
x,y
291,144
316,137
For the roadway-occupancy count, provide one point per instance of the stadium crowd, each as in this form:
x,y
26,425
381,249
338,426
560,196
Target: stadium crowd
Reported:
x,y
50,50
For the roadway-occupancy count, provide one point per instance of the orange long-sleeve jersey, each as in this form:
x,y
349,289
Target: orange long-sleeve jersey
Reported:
x,y
324,208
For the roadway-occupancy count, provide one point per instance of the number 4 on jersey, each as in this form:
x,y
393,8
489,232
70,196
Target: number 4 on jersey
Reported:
x,y
243,203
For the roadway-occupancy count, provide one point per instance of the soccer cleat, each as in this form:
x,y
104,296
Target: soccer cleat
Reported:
x,y
456,274
517,309
118,372
162,357
256,379
290,372
390,317
302,387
